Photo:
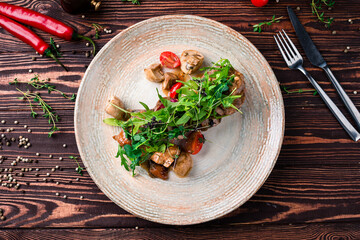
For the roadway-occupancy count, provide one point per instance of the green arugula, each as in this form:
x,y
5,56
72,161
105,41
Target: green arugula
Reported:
x,y
151,131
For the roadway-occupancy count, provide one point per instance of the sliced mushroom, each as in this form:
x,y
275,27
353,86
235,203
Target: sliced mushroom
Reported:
x,y
183,165
170,79
166,158
154,73
219,111
114,111
191,61
158,170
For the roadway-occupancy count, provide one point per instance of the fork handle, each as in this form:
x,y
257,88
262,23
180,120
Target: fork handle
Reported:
x,y
348,103
353,133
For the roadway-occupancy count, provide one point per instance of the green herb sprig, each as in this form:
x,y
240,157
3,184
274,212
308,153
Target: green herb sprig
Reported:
x,y
36,83
135,2
49,113
36,99
258,27
317,5
98,28
79,169
287,91
151,131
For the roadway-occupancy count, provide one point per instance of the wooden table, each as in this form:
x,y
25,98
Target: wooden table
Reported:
x,y
312,193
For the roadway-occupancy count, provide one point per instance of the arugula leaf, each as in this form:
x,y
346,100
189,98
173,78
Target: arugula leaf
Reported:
x,y
145,106
113,122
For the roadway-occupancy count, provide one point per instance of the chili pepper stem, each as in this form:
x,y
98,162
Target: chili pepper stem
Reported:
x,y
50,54
88,39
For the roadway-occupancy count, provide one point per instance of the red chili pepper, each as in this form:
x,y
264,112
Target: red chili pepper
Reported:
x,y
42,22
28,36
173,89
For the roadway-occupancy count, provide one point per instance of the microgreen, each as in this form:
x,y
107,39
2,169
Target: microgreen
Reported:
x,y
151,131
257,27
317,5
79,169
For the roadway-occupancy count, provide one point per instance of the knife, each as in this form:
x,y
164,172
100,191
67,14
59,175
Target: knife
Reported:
x,y
317,60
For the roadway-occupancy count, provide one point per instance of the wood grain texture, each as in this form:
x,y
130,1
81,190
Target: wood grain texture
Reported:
x,y
344,231
316,178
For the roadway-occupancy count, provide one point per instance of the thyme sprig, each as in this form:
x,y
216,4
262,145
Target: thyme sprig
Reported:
x,y
317,5
36,83
135,2
287,91
49,113
98,28
32,98
79,169
151,131
274,19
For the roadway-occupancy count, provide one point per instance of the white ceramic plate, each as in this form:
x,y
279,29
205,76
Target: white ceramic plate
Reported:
x,y
239,154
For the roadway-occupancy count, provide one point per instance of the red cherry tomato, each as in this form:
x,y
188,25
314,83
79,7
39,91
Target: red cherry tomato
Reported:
x,y
259,3
194,142
169,60
176,86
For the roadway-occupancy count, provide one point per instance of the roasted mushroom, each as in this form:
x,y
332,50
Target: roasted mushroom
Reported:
x,y
121,138
154,73
157,170
210,122
166,158
114,111
191,60
183,165
170,79
237,88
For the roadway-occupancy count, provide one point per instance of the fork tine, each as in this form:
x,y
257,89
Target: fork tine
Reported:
x,y
288,47
282,52
283,49
292,44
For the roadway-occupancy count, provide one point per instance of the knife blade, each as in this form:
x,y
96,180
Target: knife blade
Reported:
x,y
307,44
316,59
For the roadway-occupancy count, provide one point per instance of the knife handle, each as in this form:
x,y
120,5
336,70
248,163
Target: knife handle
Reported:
x,y
353,133
348,103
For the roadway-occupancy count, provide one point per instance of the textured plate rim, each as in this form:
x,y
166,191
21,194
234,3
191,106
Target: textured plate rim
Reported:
x,y
229,31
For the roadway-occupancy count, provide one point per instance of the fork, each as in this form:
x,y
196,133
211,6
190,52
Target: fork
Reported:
x,y
294,60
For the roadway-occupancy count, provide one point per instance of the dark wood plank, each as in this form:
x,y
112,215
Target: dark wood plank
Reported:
x,y
290,195
265,232
315,180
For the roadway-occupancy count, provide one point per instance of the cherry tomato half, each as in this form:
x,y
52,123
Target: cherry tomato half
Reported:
x,y
259,3
194,142
176,86
169,60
